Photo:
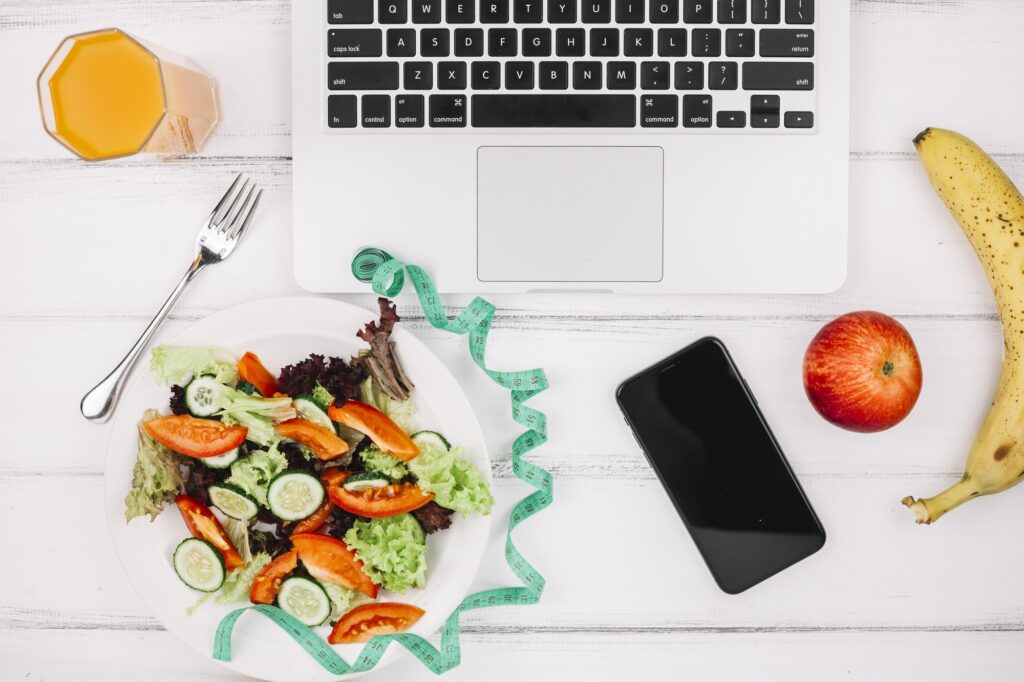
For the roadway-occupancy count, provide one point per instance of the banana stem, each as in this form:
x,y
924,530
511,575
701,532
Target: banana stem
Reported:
x,y
930,509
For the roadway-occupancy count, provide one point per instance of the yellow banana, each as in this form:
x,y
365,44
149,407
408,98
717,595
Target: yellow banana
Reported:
x,y
990,210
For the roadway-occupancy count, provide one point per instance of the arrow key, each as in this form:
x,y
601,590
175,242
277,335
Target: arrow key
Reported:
x,y
732,119
764,120
799,119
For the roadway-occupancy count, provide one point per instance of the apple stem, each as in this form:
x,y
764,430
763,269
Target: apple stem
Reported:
x,y
887,368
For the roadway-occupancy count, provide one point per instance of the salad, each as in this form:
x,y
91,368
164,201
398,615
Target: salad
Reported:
x,y
311,488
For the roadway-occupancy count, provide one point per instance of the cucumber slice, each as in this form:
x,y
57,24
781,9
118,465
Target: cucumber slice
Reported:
x,y
431,440
304,599
221,461
202,396
309,411
294,495
199,565
365,480
233,501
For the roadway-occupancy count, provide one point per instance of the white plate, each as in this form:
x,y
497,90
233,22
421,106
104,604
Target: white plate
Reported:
x,y
283,331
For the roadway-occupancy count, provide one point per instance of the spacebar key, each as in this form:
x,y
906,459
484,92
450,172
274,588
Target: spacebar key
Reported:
x,y
553,111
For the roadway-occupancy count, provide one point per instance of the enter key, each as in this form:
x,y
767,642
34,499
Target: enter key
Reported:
x,y
784,42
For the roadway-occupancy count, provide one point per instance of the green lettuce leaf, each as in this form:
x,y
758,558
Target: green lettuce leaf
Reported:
x,y
455,482
392,549
156,478
343,599
175,364
239,581
254,472
402,412
384,463
322,397
257,414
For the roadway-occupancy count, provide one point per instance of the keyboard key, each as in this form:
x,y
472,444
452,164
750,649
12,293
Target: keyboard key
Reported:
x,y
672,42
447,111
561,11
732,119
723,75
586,75
527,11
435,42
401,42
697,11
621,75
341,111
486,75
350,12
494,11
501,42
785,42
696,111
354,42
659,111
536,42
519,75
460,11
664,11
765,11
654,75
362,75
638,42
554,111
451,75
732,11
765,104
604,42
569,42
597,11
778,76
799,119
764,120
409,111
689,76
418,75
469,42
392,11
553,76
426,12
739,42
629,11
376,111
799,11
707,42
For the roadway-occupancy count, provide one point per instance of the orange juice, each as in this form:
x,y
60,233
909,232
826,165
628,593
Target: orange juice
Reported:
x,y
106,94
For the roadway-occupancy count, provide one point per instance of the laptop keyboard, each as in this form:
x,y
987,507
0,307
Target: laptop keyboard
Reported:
x,y
690,65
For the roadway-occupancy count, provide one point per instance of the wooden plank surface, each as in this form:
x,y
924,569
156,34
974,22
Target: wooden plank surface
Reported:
x,y
90,250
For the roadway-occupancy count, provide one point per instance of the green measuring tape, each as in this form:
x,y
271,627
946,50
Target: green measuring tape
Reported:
x,y
388,277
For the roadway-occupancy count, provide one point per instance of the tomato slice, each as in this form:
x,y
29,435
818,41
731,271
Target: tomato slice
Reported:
x,y
312,523
324,443
195,437
334,476
365,622
252,370
203,524
397,498
268,581
330,560
385,434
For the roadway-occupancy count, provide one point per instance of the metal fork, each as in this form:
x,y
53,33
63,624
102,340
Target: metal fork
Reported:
x,y
216,240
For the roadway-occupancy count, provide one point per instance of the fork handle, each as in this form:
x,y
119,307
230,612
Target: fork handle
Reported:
x,y
98,404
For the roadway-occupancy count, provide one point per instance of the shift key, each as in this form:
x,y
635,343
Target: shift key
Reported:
x,y
354,42
362,75
778,76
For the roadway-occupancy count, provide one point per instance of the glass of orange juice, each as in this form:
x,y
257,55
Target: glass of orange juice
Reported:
x,y
106,94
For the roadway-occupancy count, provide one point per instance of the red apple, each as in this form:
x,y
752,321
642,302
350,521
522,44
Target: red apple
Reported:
x,y
862,372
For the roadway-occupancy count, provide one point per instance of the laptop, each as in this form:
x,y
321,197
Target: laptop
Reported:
x,y
663,146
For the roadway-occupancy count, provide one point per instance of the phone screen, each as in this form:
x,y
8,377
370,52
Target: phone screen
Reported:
x,y
706,439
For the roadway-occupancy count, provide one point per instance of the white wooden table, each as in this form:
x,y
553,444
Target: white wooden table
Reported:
x,y
89,251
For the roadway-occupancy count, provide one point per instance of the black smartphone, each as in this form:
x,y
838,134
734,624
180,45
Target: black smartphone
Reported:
x,y
703,433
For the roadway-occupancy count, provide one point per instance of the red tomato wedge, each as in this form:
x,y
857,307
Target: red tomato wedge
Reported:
x,y
323,442
330,560
397,498
333,476
268,581
203,524
384,433
252,370
312,523
195,437
365,622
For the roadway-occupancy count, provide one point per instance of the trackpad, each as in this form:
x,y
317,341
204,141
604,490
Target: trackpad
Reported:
x,y
569,214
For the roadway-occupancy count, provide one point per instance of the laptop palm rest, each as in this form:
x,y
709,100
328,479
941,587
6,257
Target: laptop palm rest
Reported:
x,y
570,214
